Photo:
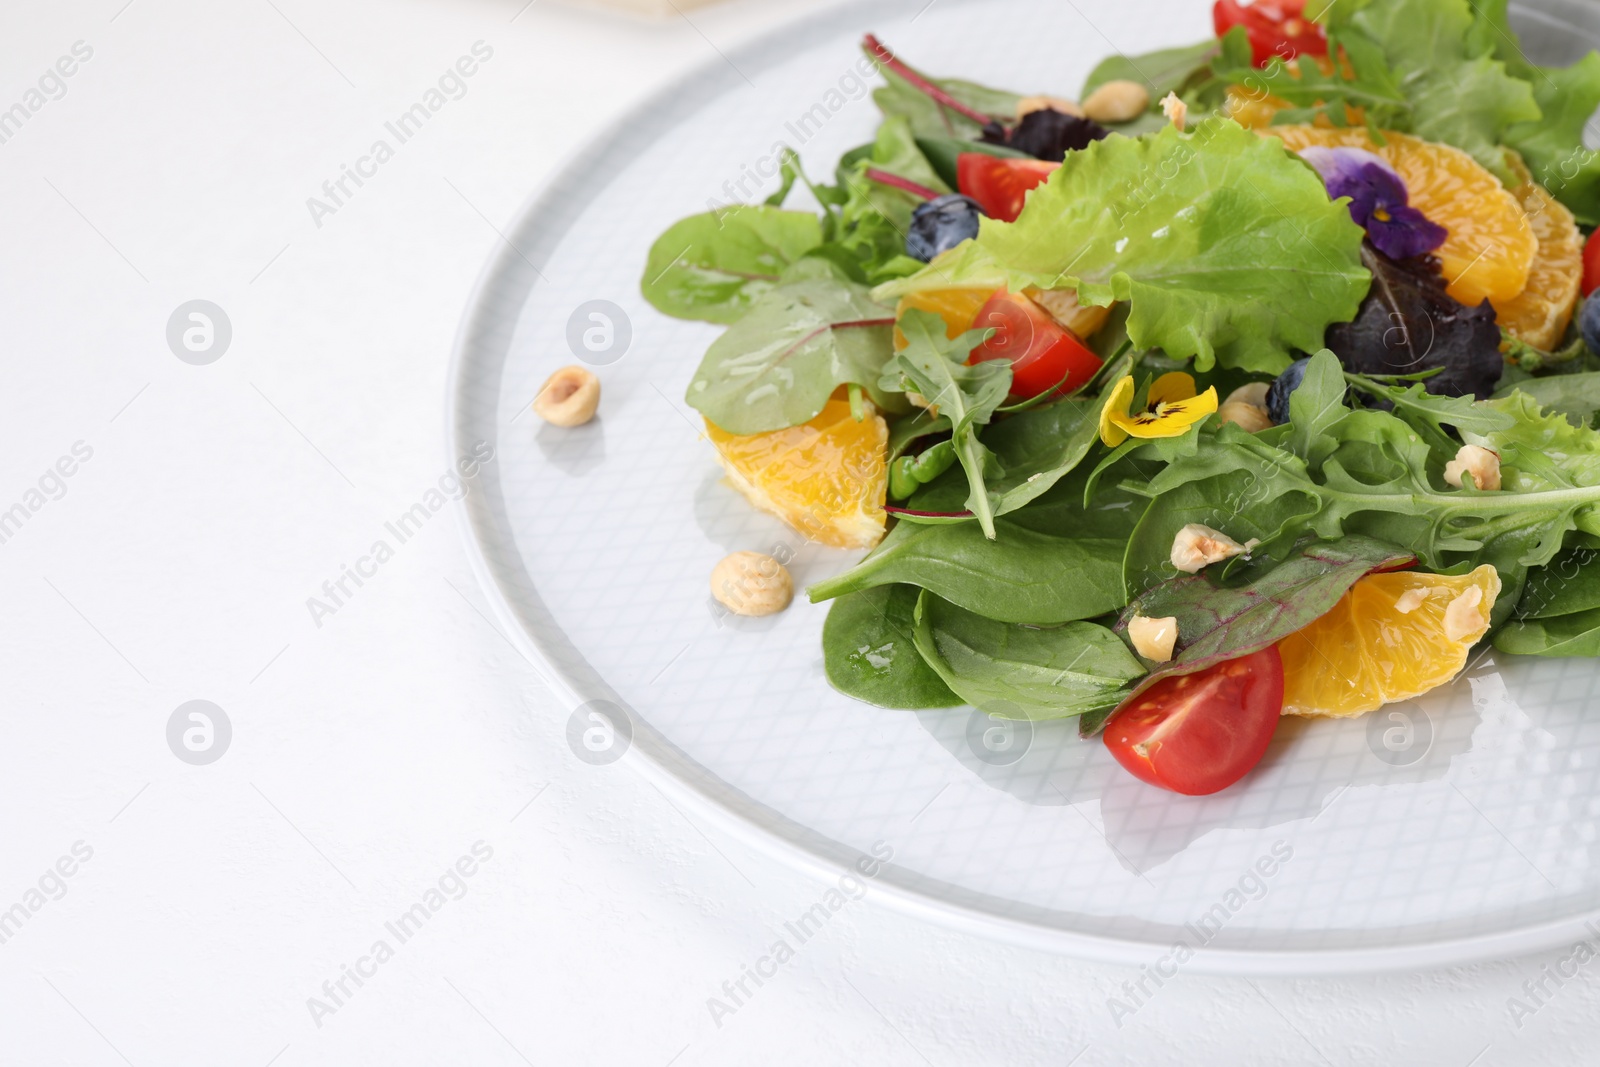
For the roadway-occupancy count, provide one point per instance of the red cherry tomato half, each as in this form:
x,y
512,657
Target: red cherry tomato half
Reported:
x,y
1198,733
1043,353
1591,264
1000,185
1275,28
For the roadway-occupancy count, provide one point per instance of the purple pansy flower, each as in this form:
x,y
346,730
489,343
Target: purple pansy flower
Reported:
x,y
1378,200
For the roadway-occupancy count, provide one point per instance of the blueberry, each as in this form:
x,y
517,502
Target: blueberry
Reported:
x,y
1286,383
941,224
1589,322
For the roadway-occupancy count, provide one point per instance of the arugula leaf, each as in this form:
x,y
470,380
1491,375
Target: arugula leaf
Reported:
x,y
1054,561
967,395
716,265
1218,623
777,366
869,652
1314,408
1429,413
1161,72
1458,93
1023,672
1224,245
1576,396
1368,84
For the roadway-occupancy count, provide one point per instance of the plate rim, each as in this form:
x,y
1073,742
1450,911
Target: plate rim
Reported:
x,y
743,826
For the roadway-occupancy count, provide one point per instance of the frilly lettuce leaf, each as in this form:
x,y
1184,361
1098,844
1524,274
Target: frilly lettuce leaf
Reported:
x,y
1225,246
1457,91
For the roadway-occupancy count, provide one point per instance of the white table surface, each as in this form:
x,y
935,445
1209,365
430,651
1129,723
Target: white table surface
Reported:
x,y
371,752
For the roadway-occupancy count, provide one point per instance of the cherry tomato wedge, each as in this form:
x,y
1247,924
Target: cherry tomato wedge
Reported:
x,y
1000,185
1275,28
1043,353
1198,733
1591,264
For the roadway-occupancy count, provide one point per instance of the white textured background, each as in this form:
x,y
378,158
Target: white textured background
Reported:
x,y
368,754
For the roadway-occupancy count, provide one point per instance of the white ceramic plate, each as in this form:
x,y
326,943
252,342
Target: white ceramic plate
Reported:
x,y
1460,827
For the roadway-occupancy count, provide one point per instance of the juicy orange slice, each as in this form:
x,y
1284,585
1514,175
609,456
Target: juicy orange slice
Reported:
x,y
827,478
1391,637
959,309
1540,313
1491,246
1253,111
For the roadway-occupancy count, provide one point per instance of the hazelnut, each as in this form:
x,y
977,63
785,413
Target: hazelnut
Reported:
x,y
1254,394
1029,104
1197,546
1153,638
1117,101
750,583
1176,110
1480,464
568,397
1247,417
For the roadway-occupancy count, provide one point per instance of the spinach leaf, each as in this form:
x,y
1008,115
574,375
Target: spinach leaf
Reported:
x,y
1567,585
1575,395
1023,672
869,651
1038,447
777,366
1408,323
1166,71
942,154
1577,634
1210,267
716,265
1218,623
967,395
1054,561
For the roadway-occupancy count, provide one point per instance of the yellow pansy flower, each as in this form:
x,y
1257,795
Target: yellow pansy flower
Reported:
x,y
1172,407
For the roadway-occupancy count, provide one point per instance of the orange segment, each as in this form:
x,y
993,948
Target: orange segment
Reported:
x,y
1392,637
1254,110
827,478
959,308
1490,250
1540,313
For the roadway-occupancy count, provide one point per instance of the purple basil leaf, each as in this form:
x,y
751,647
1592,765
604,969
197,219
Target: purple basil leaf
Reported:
x,y
1046,134
1408,323
1216,624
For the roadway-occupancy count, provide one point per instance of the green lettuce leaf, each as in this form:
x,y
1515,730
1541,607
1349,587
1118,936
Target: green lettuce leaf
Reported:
x,y
777,366
1542,451
716,265
1225,246
1023,672
1553,147
1457,91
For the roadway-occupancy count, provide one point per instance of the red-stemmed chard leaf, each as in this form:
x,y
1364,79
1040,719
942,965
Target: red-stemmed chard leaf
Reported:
x,y
1217,623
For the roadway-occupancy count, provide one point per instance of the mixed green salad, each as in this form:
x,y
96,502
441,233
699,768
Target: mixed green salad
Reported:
x,y
1190,402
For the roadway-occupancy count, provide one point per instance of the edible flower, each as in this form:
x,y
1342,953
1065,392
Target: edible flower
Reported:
x,y
1171,408
1378,200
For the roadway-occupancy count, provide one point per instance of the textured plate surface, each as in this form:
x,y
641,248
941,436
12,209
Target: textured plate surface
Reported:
x,y
1457,827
